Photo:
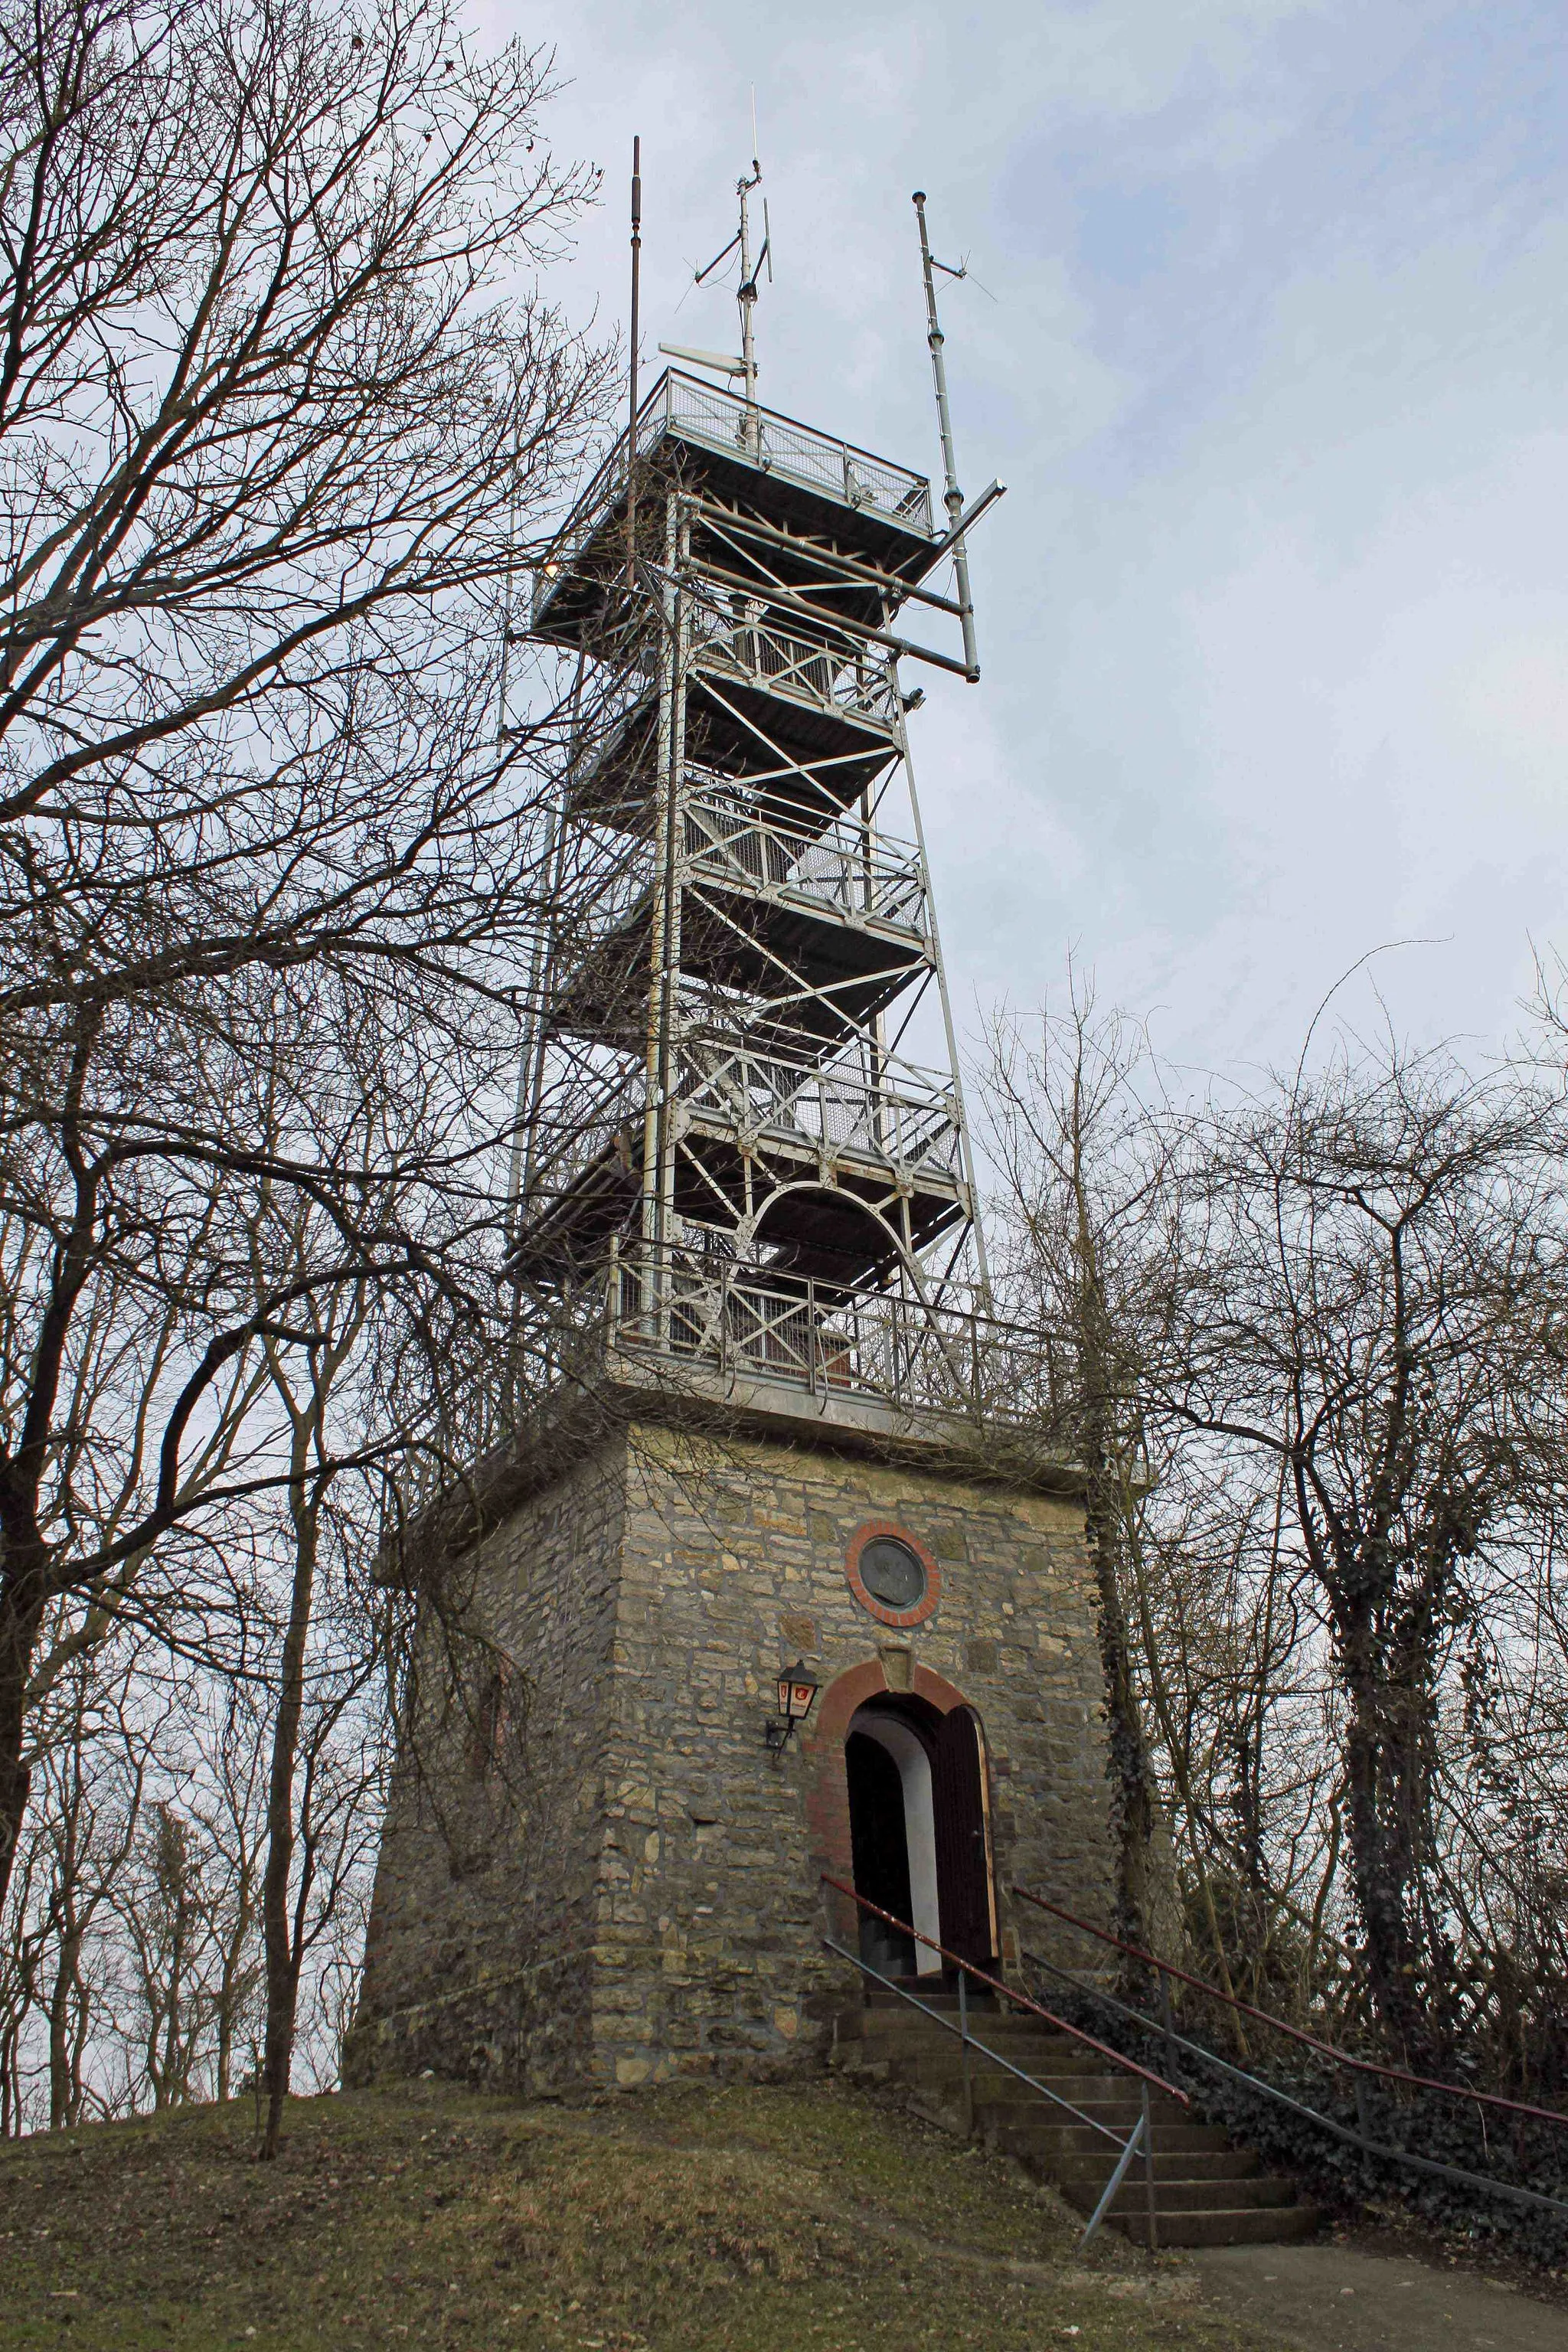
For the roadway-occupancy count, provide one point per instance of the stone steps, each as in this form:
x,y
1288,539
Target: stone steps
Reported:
x,y
1223,2226
1192,2164
1026,2136
1206,2193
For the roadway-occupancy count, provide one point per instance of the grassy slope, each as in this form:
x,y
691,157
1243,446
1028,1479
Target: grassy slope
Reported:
x,y
685,2220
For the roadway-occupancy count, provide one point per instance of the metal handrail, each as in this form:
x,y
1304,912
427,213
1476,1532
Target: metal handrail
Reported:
x,y
1140,2135
1296,2034
971,2040
1342,2132
1011,1992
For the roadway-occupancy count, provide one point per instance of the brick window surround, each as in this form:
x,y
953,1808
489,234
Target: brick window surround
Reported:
x,y
904,1618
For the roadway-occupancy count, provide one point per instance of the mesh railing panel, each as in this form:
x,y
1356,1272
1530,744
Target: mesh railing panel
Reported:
x,y
834,679
835,867
779,446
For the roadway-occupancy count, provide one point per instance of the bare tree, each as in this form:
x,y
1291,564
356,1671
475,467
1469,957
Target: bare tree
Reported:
x,y
273,439
304,1712
227,1797
1371,1306
1085,1215
1321,1396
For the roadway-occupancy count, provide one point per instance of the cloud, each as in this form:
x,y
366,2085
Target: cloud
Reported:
x,y
1272,617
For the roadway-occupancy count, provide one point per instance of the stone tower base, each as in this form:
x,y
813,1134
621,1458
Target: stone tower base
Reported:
x,y
594,1872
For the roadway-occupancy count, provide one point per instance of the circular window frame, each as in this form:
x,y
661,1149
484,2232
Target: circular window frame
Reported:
x,y
872,1531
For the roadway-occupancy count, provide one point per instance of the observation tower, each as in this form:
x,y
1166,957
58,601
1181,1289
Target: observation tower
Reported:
x,y
780,1588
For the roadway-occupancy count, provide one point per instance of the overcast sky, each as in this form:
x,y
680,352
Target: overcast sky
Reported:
x,y
1273,616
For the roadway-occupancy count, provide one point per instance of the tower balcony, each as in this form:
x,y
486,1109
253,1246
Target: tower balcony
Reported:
x,y
715,443
753,1124
825,927
811,717
810,723
682,1328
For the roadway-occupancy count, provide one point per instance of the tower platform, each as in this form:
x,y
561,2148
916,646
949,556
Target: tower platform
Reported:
x,y
730,454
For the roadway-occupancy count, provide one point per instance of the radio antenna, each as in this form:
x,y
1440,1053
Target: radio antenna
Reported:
x,y
953,497
745,291
636,329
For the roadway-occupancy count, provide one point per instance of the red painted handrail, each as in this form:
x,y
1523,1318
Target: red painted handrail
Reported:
x,y
1324,2049
1128,2065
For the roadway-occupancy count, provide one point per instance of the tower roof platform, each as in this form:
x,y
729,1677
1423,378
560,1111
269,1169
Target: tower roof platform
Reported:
x,y
730,452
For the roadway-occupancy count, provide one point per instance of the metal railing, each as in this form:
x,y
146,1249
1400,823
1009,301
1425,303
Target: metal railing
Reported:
x,y
681,407
1142,2136
884,1346
600,1112
907,1121
783,445
835,865
1164,2025
832,675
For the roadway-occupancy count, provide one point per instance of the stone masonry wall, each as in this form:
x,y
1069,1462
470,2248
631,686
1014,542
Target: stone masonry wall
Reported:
x,y
712,1910
478,1960
649,1902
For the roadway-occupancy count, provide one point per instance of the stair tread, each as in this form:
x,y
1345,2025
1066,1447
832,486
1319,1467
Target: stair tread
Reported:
x,y
1206,2191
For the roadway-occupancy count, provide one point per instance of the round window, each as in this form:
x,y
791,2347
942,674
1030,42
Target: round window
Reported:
x,y
892,1572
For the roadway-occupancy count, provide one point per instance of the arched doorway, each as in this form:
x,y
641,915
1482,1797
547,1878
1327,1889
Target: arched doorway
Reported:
x,y
918,1833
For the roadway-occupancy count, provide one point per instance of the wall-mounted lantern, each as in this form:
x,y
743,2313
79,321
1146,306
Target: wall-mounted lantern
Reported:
x,y
798,1688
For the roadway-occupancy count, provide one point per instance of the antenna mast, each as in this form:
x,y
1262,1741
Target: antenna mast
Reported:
x,y
746,292
745,295
953,497
632,425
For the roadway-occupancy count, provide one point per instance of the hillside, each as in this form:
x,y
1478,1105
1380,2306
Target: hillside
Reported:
x,y
685,2220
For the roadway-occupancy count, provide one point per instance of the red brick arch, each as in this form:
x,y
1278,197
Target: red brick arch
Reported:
x,y
828,1781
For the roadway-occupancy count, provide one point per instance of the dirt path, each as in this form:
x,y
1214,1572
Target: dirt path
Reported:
x,y
1327,2298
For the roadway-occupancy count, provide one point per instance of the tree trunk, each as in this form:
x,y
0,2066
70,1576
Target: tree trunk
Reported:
x,y
1382,1857
1131,1779
279,1942
1130,1772
65,2033
20,1616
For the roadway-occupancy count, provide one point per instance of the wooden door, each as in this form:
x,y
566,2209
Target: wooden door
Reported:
x,y
963,1862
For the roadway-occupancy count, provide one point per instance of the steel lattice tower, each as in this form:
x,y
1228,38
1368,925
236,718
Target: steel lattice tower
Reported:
x,y
769,1176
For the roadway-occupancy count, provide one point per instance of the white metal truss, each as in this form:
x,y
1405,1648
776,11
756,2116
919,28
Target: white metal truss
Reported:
x,y
721,1098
